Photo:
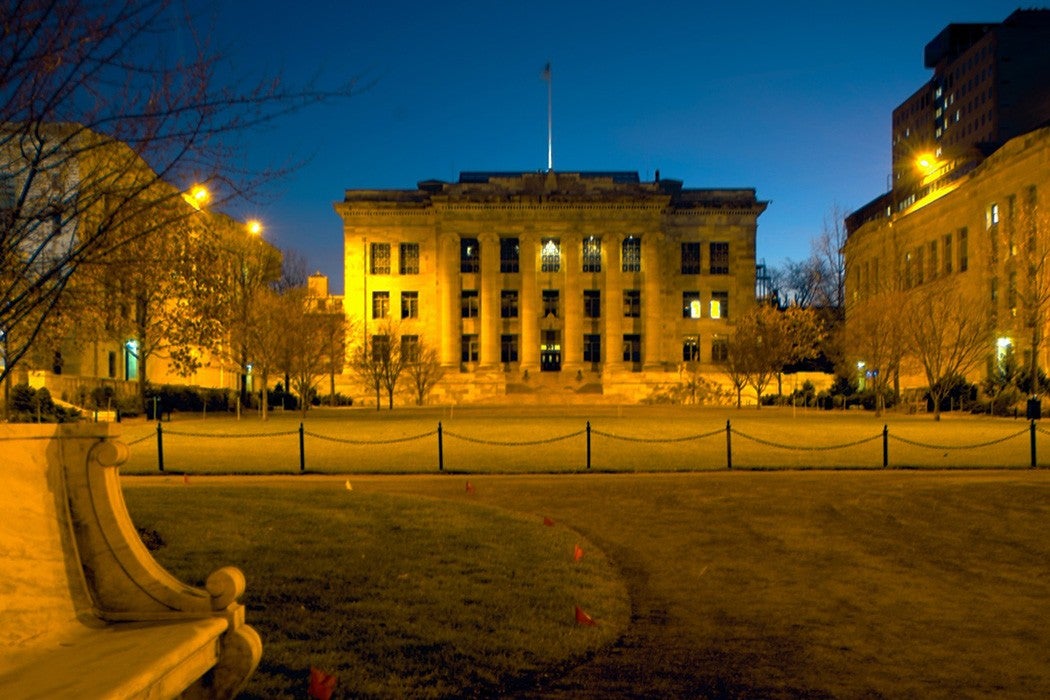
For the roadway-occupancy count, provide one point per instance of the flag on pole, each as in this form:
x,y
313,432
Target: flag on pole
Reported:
x,y
584,619
546,74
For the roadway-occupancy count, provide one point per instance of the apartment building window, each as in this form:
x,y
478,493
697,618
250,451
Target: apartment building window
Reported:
x,y
508,303
380,304
550,255
632,347
691,258
410,348
719,305
719,258
468,303
112,364
592,254
691,349
380,259
631,254
592,303
992,215
632,303
469,348
509,253
409,259
948,254
550,302
592,347
469,255
508,348
691,305
932,260
380,348
964,253
719,349
409,304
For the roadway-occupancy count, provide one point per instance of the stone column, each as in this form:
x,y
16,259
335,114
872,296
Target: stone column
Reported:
x,y
448,293
612,307
652,300
572,304
488,289
528,304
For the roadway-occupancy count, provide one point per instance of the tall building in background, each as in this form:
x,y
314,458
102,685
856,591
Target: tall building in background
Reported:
x,y
528,282
967,215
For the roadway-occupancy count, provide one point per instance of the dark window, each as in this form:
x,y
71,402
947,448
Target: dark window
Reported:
x,y
632,303
592,348
380,348
409,304
719,305
691,258
719,258
632,348
380,262
592,303
410,348
691,305
691,349
550,302
468,305
509,251
964,253
409,258
469,348
592,254
631,254
380,304
719,350
550,255
469,255
948,254
508,348
112,364
508,303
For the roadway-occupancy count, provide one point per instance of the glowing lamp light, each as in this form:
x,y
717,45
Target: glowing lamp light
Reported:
x,y
550,248
254,227
197,197
926,162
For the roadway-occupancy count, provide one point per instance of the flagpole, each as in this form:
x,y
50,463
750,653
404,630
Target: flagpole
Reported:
x,y
550,117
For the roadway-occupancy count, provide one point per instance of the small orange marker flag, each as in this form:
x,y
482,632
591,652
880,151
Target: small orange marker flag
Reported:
x,y
186,478
577,553
470,489
349,486
548,522
584,619
321,684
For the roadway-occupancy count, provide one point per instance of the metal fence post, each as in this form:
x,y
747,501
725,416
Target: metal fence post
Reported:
x,y
729,445
302,449
885,445
441,450
160,447
588,444
1031,432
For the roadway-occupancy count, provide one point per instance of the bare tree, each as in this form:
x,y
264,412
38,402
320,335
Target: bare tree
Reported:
x,y
872,342
424,370
96,118
945,336
379,361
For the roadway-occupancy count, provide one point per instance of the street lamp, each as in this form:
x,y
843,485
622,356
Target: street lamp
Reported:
x,y
198,196
254,226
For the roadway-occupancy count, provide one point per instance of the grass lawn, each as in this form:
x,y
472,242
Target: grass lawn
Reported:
x,y
395,595
552,439
741,584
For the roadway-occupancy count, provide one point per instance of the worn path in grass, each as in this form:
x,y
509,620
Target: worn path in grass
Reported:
x,y
889,584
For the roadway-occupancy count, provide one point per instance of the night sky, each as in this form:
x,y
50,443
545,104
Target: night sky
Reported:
x,y
795,103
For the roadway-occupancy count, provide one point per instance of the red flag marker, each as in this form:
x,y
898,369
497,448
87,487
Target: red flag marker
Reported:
x,y
186,478
548,522
470,489
584,619
577,553
321,684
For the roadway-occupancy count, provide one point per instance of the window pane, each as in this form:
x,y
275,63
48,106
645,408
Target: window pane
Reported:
x,y
550,255
380,304
632,254
691,258
409,258
469,255
719,258
592,303
508,303
509,252
592,254
380,262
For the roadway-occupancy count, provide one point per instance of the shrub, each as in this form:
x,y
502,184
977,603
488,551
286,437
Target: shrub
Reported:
x,y
29,405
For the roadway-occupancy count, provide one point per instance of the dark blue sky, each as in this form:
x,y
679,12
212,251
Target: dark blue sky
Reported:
x,y
793,102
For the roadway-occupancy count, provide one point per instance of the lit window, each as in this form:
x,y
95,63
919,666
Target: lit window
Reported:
x,y
719,305
691,305
550,255
632,254
592,254
469,255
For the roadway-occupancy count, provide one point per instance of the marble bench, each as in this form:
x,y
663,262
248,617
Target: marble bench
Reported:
x,y
85,610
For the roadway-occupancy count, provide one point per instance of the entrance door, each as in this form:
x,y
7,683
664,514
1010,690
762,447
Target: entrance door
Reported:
x,y
550,352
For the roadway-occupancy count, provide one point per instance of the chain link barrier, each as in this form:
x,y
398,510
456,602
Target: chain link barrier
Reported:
x,y
147,436
285,433
521,443
805,448
686,438
931,446
351,441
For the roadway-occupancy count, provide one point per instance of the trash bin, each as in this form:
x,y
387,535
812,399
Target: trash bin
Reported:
x,y
1035,409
